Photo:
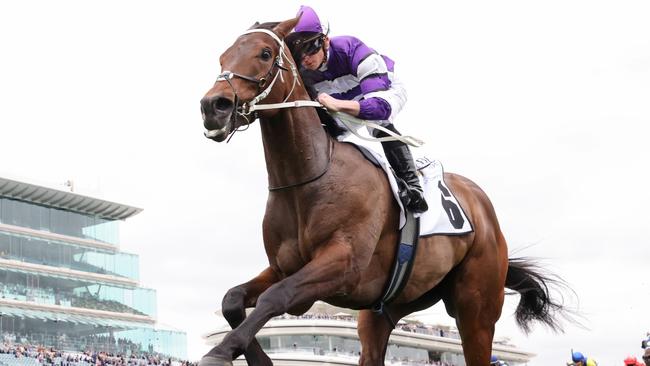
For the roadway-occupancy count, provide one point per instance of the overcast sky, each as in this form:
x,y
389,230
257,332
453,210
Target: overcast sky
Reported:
x,y
545,105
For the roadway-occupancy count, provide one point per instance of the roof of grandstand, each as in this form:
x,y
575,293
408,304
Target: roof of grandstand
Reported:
x,y
65,200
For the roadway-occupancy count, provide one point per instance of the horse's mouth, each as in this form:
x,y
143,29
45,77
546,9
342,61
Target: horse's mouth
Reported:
x,y
217,135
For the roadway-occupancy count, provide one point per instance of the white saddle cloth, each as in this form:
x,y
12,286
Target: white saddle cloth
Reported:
x,y
445,215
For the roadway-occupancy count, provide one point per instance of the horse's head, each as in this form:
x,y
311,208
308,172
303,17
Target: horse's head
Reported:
x,y
255,67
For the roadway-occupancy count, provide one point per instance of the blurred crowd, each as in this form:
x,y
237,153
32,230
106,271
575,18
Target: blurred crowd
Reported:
x,y
14,354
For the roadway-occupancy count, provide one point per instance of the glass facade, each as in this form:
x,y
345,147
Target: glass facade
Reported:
x,y
62,254
52,306
43,289
157,340
19,213
316,344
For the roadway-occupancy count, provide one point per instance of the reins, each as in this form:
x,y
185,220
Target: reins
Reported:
x,y
248,110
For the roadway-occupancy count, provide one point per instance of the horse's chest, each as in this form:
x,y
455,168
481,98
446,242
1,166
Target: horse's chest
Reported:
x,y
288,258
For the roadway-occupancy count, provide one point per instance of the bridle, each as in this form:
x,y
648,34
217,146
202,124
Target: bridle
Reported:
x,y
248,110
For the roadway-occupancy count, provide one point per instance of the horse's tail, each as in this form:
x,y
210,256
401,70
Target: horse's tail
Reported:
x,y
535,303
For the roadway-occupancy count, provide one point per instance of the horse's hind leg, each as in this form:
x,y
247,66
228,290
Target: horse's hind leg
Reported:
x,y
374,330
476,297
234,305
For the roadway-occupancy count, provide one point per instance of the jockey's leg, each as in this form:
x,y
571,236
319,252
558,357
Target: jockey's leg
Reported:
x,y
234,306
400,159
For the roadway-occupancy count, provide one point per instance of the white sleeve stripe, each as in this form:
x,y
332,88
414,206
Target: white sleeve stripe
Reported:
x,y
373,64
373,76
341,84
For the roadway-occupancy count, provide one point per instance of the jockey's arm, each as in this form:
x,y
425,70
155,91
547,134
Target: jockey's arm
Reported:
x,y
369,109
351,107
372,73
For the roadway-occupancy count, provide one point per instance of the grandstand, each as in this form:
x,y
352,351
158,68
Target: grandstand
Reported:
x,y
64,283
327,335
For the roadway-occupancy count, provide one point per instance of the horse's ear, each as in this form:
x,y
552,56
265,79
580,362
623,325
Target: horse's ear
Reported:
x,y
254,25
285,27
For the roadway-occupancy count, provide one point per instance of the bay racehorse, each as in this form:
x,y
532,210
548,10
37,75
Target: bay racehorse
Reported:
x,y
331,224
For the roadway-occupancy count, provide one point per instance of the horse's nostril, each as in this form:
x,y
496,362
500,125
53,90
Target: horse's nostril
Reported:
x,y
222,104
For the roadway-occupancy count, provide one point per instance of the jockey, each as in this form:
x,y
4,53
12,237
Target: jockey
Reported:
x,y
580,360
348,76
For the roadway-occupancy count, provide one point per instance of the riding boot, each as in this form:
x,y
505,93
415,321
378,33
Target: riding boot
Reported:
x,y
400,158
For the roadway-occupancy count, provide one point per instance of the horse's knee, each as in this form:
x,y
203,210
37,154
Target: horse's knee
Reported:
x,y
232,306
277,299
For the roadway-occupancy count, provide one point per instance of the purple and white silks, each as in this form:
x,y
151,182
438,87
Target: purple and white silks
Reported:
x,y
354,71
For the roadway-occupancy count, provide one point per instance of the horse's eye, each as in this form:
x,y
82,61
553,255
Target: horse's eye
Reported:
x,y
266,54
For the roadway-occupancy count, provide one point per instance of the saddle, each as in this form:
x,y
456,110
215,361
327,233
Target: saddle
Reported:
x,y
444,217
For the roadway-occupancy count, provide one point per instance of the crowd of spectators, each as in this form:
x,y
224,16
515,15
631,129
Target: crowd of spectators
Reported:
x,y
413,327
51,296
90,342
408,362
19,354
428,329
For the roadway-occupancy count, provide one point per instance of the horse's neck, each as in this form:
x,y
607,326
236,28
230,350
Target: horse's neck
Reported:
x,y
296,146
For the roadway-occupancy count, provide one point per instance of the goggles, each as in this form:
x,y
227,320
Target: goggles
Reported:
x,y
308,46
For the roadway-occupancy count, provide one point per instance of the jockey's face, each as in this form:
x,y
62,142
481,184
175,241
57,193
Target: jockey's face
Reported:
x,y
313,61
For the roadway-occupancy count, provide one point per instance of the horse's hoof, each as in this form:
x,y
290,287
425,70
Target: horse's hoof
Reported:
x,y
214,361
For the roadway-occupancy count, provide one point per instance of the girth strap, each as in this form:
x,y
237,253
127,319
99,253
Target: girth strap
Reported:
x,y
404,259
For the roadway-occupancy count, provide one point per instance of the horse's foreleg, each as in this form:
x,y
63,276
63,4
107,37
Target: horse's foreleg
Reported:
x,y
330,273
234,306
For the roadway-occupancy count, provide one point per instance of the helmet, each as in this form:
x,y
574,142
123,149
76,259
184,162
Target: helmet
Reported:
x,y
630,361
309,21
308,36
578,357
494,360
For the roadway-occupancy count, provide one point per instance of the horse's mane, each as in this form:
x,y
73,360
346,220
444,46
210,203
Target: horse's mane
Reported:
x,y
267,25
